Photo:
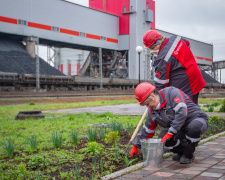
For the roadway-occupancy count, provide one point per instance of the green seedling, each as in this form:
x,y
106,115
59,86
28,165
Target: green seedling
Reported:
x,y
32,141
76,172
103,132
127,162
74,137
94,160
112,138
9,147
101,166
116,126
56,139
92,134
93,148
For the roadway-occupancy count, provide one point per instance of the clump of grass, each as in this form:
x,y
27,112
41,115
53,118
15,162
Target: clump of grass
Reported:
x,y
92,134
9,147
117,126
76,172
74,137
129,128
31,103
210,108
103,131
56,139
33,142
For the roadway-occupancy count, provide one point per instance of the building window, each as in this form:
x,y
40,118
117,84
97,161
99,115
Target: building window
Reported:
x,y
103,38
56,29
22,22
82,34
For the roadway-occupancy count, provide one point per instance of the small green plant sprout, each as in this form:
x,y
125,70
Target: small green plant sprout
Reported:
x,y
71,118
127,162
92,134
74,137
93,148
38,161
222,108
9,147
23,171
129,128
103,131
210,108
76,172
56,139
117,154
214,119
101,166
33,142
94,160
31,103
117,126
112,138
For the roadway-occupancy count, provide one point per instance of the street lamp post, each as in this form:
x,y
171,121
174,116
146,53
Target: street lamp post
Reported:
x,y
139,49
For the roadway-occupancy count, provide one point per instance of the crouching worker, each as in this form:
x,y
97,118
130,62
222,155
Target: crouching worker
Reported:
x,y
182,120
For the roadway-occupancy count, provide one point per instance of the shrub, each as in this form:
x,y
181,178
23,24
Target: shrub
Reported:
x,y
210,108
92,134
93,148
9,147
31,103
222,108
112,137
56,138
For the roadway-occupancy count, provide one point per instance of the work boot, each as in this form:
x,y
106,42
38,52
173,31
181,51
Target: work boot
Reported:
x,y
176,157
184,160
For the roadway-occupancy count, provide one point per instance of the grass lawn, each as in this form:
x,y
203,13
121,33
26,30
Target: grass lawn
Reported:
x,y
39,162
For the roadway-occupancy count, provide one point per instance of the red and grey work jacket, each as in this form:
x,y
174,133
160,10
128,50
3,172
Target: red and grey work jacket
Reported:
x,y
175,66
176,111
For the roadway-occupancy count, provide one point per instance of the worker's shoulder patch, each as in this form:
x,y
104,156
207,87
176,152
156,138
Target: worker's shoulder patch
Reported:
x,y
157,73
177,100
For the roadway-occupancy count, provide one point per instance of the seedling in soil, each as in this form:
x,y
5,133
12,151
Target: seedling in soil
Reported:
x,y
56,138
9,147
115,126
94,160
76,172
127,162
103,132
92,134
74,137
112,138
101,166
117,154
93,148
33,142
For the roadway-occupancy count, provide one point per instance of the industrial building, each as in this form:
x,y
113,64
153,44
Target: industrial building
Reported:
x,y
97,40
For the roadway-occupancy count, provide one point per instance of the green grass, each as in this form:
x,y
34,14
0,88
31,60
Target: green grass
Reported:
x,y
19,131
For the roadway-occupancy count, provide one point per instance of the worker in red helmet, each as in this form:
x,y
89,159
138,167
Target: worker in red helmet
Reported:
x,y
182,120
175,64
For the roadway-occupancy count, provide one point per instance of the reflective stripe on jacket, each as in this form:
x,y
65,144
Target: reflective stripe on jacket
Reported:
x,y
176,111
175,66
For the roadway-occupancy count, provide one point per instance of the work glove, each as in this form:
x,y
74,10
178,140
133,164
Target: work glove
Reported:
x,y
167,136
133,151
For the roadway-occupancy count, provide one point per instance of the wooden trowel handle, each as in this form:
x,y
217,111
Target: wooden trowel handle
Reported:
x,y
139,125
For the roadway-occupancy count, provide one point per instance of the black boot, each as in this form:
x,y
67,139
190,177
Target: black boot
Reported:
x,y
188,155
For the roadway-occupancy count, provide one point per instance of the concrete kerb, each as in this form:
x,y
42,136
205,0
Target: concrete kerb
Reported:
x,y
141,165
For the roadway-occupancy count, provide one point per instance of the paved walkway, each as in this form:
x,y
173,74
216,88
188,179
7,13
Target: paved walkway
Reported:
x,y
209,164
124,109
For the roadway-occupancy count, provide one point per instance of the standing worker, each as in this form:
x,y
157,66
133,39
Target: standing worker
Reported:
x,y
182,120
175,64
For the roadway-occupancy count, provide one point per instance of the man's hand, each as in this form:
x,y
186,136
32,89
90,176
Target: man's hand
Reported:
x,y
133,151
167,136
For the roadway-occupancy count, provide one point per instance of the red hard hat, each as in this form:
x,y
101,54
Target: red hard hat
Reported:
x,y
150,37
143,90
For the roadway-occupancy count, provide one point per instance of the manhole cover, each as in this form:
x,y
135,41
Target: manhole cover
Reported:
x,y
29,114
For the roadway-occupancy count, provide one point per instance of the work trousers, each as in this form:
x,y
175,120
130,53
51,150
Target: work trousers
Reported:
x,y
185,141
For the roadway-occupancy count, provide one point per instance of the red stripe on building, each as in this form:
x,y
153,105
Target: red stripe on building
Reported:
x,y
207,59
112,40
67,31
61,68
8,20
39,26
93,36
69,69
201,58
78,68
